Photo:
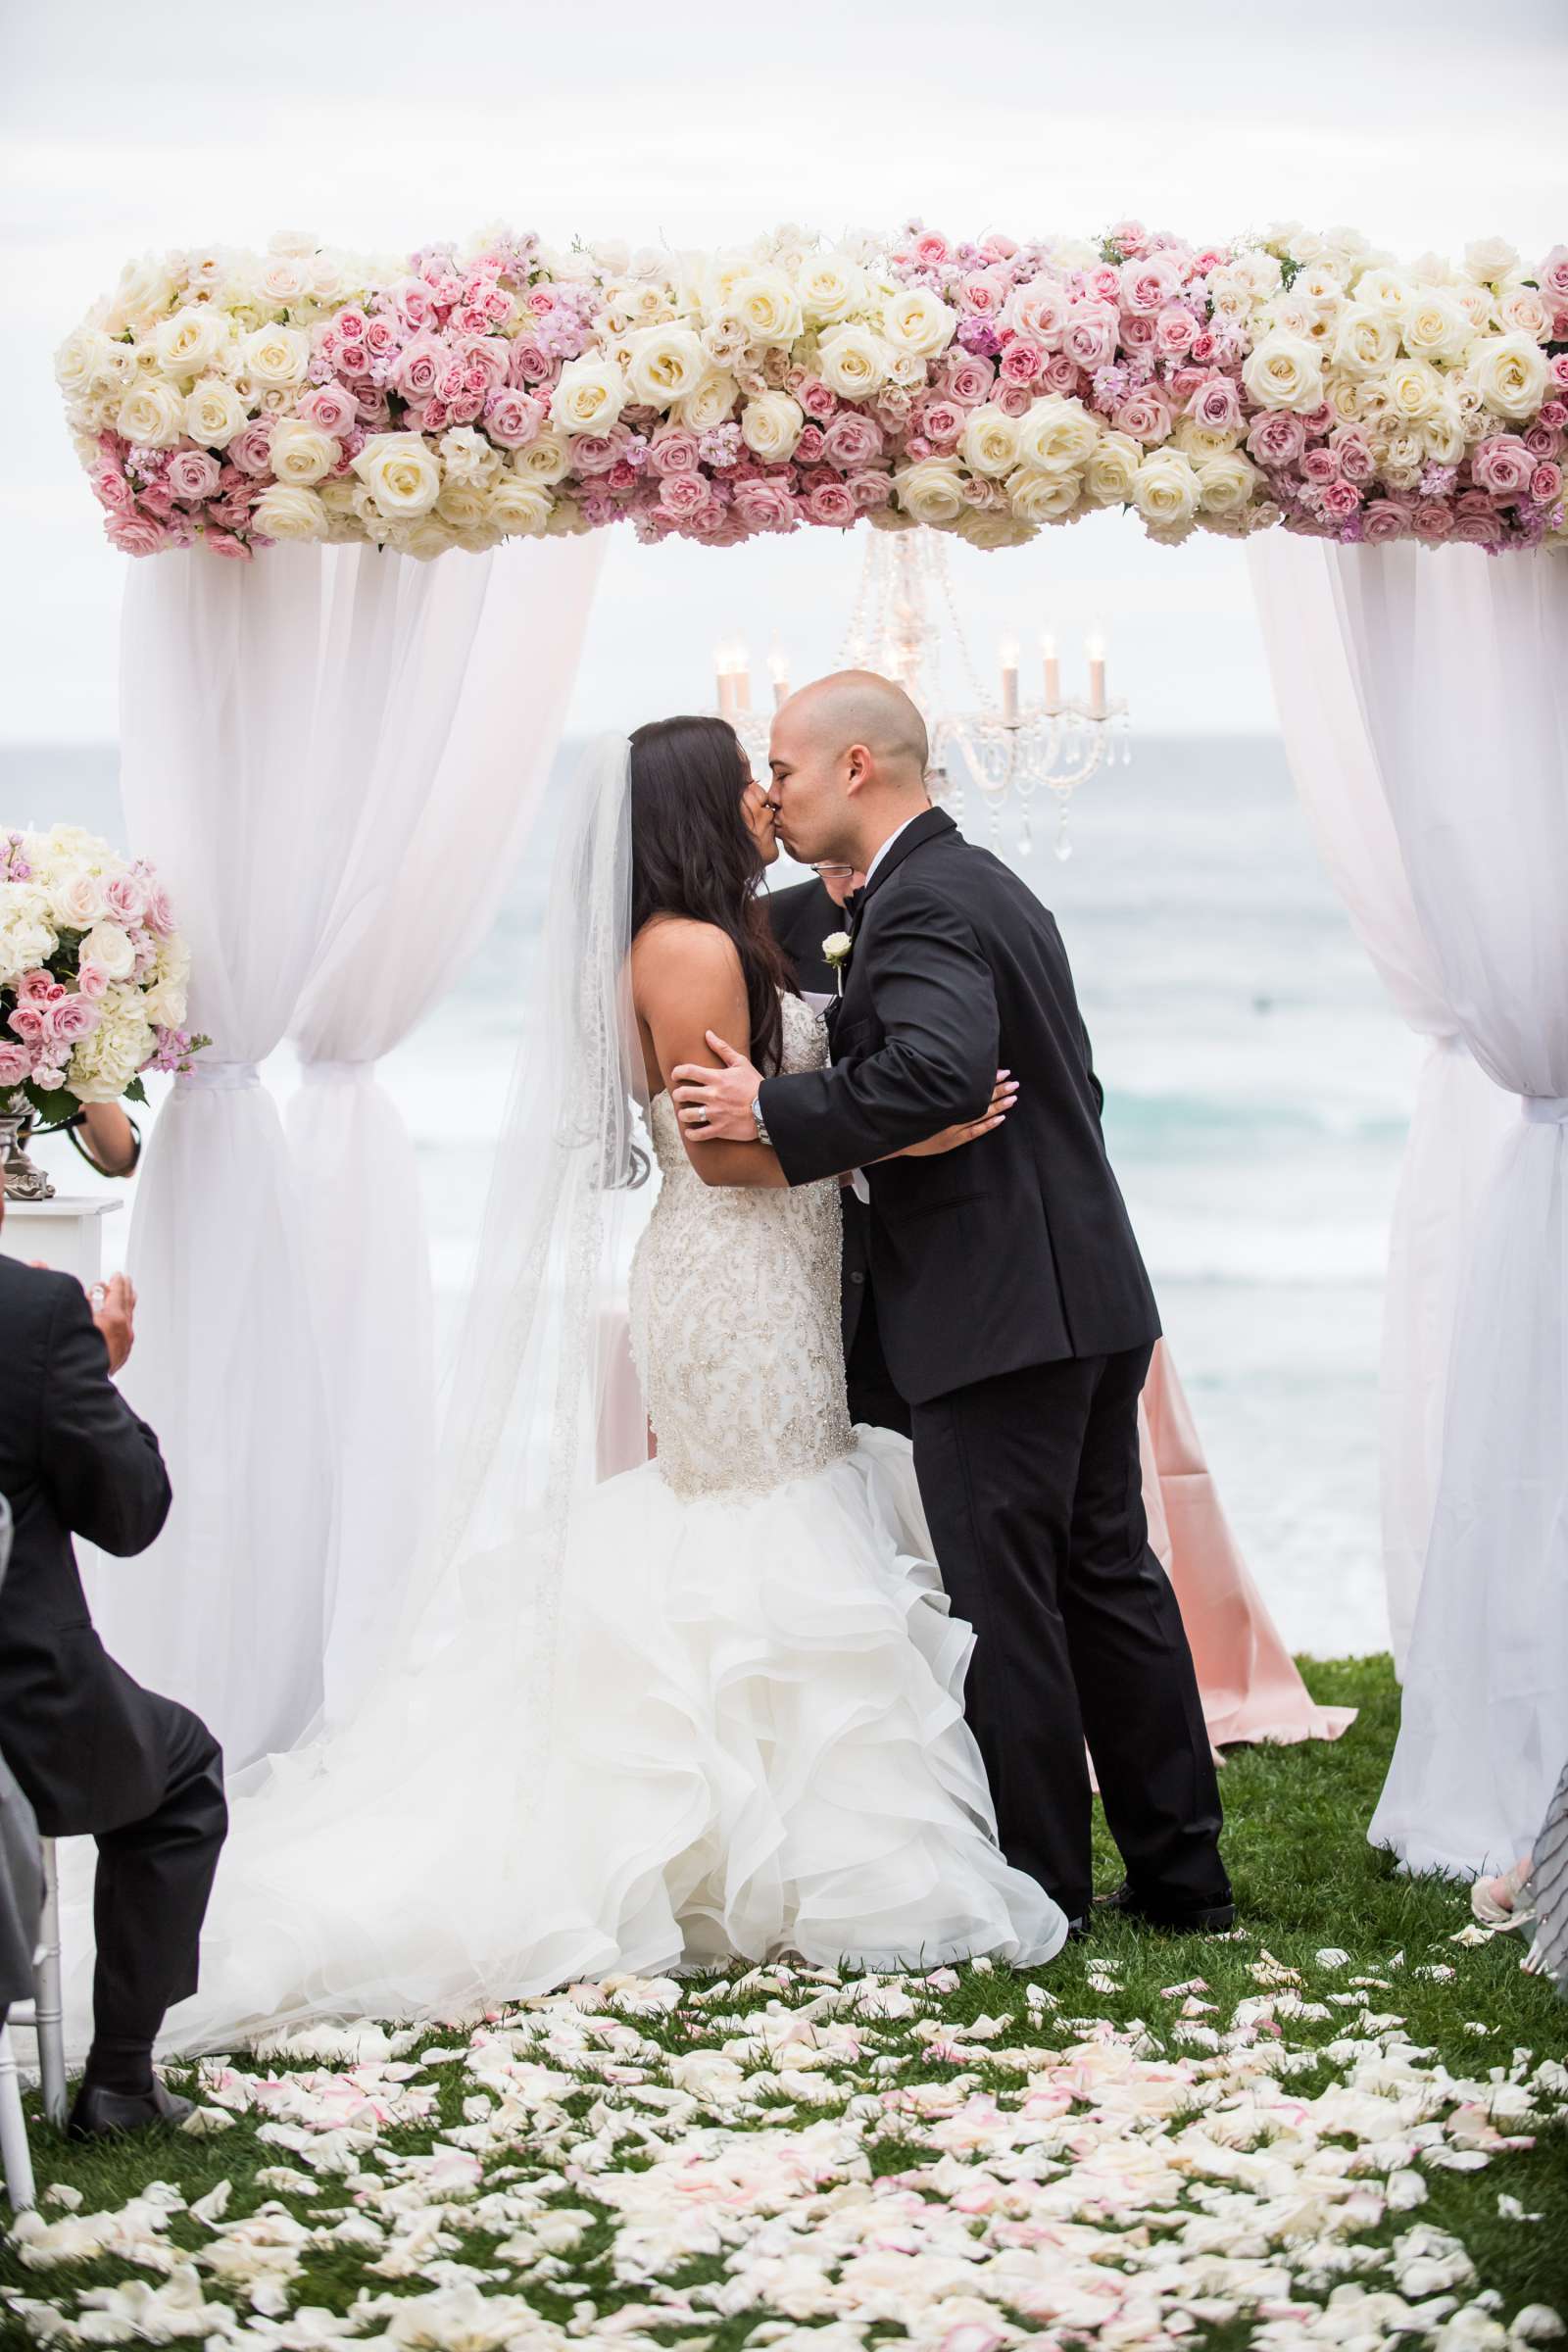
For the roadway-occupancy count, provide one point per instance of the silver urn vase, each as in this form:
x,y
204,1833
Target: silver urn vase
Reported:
x,y
23,1180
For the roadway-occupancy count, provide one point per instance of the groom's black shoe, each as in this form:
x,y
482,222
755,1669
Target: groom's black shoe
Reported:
x,y
1078,1928
1177,1919
100,2114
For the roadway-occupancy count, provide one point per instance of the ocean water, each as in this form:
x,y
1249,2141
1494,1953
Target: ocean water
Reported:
x,y
1258,1091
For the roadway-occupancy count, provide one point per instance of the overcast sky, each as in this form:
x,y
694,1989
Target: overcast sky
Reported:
x,y
388,124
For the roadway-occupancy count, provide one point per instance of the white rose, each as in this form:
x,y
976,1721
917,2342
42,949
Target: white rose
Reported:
x,y
1510,372
107,944
1489,260
467,457
464,505
668,363
1225,482
401,474
1442,434
589,396
1413,388
1435,326
1381,289
152,415
425,538
191,340
289,511
1165,489
214,413
992,526
81,359
75,899
1521,311
1113,469
905,368
770,426
712,403
768,307
1479,308
1057,431
1037,497
301,452
851,363
1284,372
830,285
547,460
1319,285
519,508
1366,338
143,294
165,1004
990,442
277,357
1198,441
28,938
915,319
930,491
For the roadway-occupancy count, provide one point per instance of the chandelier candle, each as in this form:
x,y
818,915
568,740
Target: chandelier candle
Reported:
x,y
1053,670
1010,681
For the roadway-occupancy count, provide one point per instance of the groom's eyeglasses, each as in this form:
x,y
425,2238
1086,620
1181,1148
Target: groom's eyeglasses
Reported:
x,y
836,873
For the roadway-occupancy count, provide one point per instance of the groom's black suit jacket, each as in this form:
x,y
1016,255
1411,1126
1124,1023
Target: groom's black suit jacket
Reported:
x,y
85,1741
1014,1251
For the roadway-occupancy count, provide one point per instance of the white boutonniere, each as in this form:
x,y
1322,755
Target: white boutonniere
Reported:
x,y
836,949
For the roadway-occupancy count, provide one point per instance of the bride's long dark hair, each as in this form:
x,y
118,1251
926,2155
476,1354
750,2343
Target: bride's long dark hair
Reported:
x,y
692,853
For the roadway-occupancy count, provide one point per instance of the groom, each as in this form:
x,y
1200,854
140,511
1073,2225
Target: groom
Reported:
x,y
1015,1313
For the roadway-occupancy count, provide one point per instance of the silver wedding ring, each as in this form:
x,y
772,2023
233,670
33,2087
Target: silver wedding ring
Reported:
x,y
702,1118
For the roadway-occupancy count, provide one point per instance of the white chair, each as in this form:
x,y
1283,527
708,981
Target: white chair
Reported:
x,y
44,2014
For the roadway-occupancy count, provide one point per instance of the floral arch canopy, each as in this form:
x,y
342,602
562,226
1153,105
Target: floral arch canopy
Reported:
x,y
458,397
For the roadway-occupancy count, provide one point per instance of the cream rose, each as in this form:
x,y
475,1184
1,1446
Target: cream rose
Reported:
x,y
301,452
464,505
930,491
519,508
667,364
990,442
1198,441
1415,388
1113,469
143,295
1057,431
1510,372
1037,497
152,415
830,285
768,307
214,413
1442,434
1284,372
851,362
712,403
191,340
1436,324
1166,489
1366,338
107,944
547,460
275,357
915,319
289,511
76,899
770,426
1384,290
589,396
1489,260
401,474
1225,482
1521,311
81,359
992,526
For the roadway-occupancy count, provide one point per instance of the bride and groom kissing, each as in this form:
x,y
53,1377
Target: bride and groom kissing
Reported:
x,y
797,1684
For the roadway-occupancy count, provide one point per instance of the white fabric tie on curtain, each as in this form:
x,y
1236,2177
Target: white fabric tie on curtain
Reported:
x,y
421,880
282,723
1458,662
1459,1117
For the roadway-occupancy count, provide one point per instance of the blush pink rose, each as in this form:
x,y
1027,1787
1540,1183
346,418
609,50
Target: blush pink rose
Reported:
x,y
1144,414
16,1063
252,449
1276,438
1021,362
594,454
683,494
91,980
529,362
1543,441
1501,465
1477,528
942,420
851,441
1060,374
819,401
1147,283
929,249
1014,400
112,490
622,476
1432,520
1554,276
1038,312
1175,332
968,379
765,505
31,1023
673,450
192,474
136,534
1554,415
869,490
328,408
124,899
1216,404
222,544
1341,499
512,418
811,445
39,988
1545,483
1383,520
158,499
71,1018
982,293
832,504
1128,236
1103,282
1138,331
1320,465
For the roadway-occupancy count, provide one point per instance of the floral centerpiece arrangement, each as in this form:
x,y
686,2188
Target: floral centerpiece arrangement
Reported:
x,y
988,387
92,976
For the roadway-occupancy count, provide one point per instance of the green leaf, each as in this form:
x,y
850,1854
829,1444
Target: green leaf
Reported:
x,y
56,1106
136,1092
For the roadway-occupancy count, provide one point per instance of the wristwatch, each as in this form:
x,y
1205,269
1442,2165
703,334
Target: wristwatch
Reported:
x,y
762,1135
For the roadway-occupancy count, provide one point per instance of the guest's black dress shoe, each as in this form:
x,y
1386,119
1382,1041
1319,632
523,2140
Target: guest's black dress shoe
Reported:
x,y
1178,1919
108,2114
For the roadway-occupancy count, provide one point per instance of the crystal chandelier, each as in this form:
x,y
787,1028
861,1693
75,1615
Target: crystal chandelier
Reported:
x,y
1016,755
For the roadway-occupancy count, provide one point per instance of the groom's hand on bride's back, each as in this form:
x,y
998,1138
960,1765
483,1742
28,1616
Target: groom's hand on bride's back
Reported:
x,y
1004,1094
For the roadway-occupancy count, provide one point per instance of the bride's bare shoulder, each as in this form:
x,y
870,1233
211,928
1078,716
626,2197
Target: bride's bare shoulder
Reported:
x,y
675,950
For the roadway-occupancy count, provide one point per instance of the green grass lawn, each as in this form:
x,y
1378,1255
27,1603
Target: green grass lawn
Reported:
x,y
667,2170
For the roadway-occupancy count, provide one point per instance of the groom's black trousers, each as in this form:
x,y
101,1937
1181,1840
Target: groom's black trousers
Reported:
x,y
1033,1488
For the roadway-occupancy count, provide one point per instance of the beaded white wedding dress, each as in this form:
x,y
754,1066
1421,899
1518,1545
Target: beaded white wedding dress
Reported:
x,y
759,1744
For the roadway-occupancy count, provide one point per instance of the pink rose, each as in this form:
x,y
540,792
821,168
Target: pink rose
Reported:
x,y
112,490
1383,520
1341,499
1014,400
1276,438
968,379
1128,236
1149,282
1138,332
252,449
192,474
1552,277
16,1064
942,420
869,490
1103,282
1543,441
766,506
91,980
1501,465
159,914
529,362
73,1017
622,476
1554,415
852,440
1089,338
124,899
594,454
157,500
893,406
328,408
413,304
1020,361
811,445
512,418
683,494
1320,465
1175,332
1320,421
135,535
1432,520
929,249
39,988
1144,414
1545,483
673,450
816,398
982,293
1216,404
1038,312
832,504
1060,374
222,544
1479,529
380,338
30,1023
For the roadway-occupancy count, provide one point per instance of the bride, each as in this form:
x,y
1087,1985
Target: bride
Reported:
x,y
712,1706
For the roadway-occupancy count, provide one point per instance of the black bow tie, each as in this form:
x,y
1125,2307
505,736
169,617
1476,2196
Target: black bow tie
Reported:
x,y
852,902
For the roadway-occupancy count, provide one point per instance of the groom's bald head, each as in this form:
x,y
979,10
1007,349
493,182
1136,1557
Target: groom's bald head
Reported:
x,y
849,756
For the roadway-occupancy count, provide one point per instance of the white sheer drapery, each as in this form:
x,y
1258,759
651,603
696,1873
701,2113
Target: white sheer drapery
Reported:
x,y
1459,1116
1459,661
419,889
278,718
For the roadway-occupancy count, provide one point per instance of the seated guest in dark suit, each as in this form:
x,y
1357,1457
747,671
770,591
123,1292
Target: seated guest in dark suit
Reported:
x,y
95,1754
21,1864
803,915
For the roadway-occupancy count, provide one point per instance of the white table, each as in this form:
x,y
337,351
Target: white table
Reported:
x,y
66,1233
